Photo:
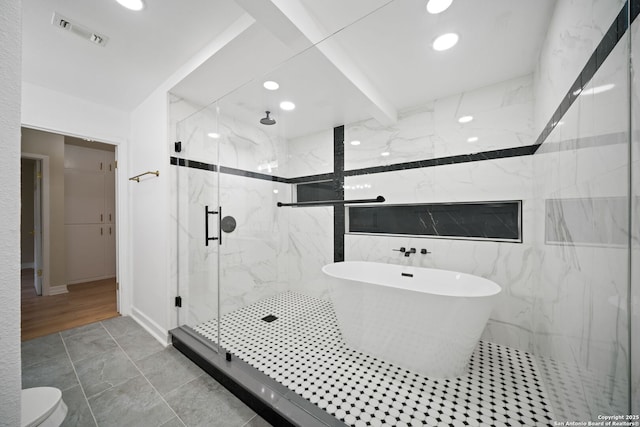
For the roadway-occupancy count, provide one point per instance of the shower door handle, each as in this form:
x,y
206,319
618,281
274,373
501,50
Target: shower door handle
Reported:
x,y
207,212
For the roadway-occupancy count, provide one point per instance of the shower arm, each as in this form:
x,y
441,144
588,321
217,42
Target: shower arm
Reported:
x,y
378,199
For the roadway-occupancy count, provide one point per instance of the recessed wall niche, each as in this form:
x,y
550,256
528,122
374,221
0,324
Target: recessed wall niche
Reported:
x,y
492,221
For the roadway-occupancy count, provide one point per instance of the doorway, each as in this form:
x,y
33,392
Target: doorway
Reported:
x,y
68,232
31,220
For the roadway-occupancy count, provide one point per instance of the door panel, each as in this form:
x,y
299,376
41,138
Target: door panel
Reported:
x,y
110,250
197,200
110,189
84,197
84,158
85,251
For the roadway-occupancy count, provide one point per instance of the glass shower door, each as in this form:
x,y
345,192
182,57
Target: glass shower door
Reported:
x,y
252,258
198,223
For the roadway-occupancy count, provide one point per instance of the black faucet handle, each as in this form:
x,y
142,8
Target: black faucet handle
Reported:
x,y
424,251
402,249
412,250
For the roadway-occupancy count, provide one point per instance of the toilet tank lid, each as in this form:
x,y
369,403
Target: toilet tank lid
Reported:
x,y
38,403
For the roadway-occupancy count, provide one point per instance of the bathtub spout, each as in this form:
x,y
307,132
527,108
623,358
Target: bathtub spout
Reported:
x,y
410,251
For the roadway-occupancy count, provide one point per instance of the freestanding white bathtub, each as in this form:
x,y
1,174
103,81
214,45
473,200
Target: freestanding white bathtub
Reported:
x,y
423,319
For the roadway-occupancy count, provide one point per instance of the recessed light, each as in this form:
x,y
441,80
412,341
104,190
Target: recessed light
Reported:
x,y
270,85
287,105
438,6
445,41
465,119
472,139
597,89
275,191
385,153
355,142
213,135
132,4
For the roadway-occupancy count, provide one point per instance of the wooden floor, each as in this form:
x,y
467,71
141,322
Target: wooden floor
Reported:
x,y
84,303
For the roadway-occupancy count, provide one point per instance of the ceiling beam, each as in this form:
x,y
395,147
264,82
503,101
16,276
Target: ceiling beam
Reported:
x,y
294,25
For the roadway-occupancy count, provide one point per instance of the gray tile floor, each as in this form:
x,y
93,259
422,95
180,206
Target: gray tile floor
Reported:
x,y
113,373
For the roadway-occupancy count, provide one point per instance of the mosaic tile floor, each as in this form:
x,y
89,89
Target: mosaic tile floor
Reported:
x,y
303,350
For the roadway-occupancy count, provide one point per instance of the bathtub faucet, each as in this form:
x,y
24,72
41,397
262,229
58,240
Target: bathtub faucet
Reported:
x,y
405,251
408,252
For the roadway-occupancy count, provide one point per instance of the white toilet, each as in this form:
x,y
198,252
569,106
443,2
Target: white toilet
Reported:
x,y
43,407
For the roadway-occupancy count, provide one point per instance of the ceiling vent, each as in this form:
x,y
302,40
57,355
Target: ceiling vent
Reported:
x,y
79,30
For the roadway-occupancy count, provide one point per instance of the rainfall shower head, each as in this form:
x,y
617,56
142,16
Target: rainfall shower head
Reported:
x,y
267,120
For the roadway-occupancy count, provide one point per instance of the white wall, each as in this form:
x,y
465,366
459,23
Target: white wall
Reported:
x,y
10,51
149,205
52,111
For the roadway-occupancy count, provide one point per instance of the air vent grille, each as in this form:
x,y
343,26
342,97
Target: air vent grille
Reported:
x,y
79,30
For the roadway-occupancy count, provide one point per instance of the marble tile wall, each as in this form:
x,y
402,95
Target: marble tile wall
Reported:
x,y
238,145
310,240
310,154
310,248
581,189
575,30
252,257
503,118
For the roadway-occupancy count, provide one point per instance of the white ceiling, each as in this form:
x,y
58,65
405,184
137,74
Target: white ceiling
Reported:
x,y
143,50
379,65
378,61
499,40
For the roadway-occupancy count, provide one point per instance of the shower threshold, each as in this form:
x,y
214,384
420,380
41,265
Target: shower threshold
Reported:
x,y
271,400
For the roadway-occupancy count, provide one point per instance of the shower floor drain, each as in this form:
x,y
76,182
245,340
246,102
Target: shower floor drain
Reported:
x,y
270,318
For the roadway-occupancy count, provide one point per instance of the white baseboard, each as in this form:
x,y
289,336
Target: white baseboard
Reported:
x,y
26,265
158,332
57,290
90,279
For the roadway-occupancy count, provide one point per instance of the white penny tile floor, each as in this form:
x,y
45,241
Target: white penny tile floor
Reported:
x,y
303,350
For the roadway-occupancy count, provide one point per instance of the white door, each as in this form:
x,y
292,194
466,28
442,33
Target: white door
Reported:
x,y
37,221
85,245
